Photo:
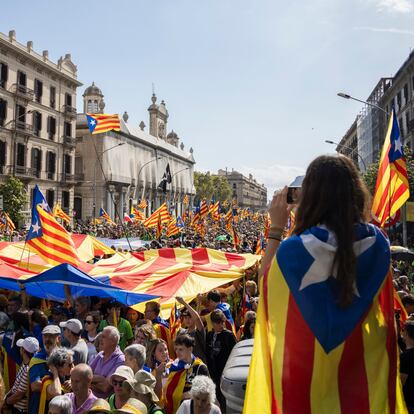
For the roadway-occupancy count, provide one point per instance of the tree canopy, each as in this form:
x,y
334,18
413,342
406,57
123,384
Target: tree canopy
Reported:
x,y
209,186
14,198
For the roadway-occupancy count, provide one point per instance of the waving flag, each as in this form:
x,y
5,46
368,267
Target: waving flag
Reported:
x,y
162,211
172,228
392,189
203,208
136,214
166,179
158,227
180,222
143,204
99,123
260,245
186,200
105,216
58,212
215,210
47,237
175,322
311,355
7,223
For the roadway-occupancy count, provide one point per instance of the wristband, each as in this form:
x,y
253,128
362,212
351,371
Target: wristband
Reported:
x,y
275,235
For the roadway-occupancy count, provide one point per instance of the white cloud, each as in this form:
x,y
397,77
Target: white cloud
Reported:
x,y
398,6
273,176
385,30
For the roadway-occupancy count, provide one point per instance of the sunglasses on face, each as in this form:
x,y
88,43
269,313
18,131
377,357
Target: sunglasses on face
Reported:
x,y
88,322
117,383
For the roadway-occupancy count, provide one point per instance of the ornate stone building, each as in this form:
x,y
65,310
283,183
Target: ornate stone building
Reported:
x,y
117,169
246,190
38,120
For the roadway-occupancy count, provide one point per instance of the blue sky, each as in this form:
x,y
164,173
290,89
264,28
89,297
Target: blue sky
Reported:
x,y
250,85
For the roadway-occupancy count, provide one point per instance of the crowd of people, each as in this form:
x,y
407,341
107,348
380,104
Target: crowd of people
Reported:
x,y
98,353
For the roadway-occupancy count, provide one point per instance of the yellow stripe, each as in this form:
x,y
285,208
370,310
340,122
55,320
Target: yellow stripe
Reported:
x,y
183,256
278,309
217,257
64,257
67,246
35,246
324,386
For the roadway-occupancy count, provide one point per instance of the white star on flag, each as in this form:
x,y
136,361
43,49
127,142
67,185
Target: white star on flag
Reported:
x,y
44,205
324,253
92,122
398,145
35,227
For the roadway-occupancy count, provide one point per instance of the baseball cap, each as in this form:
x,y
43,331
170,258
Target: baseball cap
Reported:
x,y
51,330
74,325
29,344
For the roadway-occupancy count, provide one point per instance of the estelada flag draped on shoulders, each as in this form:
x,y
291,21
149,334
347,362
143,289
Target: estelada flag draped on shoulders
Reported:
x,y
311,355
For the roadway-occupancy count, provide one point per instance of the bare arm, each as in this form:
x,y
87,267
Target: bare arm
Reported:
x,y
36,386
55,388
15,397
194,314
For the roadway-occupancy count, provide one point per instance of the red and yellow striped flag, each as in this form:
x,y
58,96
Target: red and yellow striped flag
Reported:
x,y
9,225
159,227
105,216
203,208
143,204
172,228
137,215
162,211
392,189
186,200
99,123
58,212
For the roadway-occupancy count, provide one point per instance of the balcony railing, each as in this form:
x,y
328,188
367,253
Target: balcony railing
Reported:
x,y
69,110
69,178
22,91
22,127
69,141
79,177
26,171
50,175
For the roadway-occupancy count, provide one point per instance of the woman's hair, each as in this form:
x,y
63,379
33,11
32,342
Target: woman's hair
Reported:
x,y
96,316
333,194
59,357
62,403
246,329
147,330
203,385
152,346
39,317
137,352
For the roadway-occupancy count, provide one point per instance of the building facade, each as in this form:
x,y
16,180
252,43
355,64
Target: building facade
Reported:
x,y
246,190
348,145
116,170
38,120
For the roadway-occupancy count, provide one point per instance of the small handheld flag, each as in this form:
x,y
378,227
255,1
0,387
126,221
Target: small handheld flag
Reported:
x,y
58,212
104,215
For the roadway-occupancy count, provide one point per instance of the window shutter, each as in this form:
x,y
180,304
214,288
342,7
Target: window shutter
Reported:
x,y
39,121
40,88
47,161
48,124
53,125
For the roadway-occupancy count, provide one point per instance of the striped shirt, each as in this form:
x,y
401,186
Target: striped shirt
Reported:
x,y
21,384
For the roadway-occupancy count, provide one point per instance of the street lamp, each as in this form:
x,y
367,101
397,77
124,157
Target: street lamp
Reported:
x,y
94,173
139,172
346,96
350,148
172,176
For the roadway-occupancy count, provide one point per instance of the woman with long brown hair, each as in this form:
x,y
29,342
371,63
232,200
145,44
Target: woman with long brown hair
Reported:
x,y
325,338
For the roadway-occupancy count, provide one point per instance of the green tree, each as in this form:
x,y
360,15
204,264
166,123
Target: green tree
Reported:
x,y
14,198
208,186
370,175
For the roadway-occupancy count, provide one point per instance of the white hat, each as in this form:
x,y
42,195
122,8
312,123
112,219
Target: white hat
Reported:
x,y
123,371
29,344
74,325
51,330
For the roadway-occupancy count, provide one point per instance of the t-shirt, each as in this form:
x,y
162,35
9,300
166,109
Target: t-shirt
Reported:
x,y
80,352
187,407
407,367
219,347
86,406
21,384
125,331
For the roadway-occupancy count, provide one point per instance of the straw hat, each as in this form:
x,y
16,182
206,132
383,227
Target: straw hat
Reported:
x,y
132,406
144,383
100,406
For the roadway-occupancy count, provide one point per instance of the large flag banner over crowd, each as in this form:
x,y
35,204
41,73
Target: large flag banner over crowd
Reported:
x,y
141,314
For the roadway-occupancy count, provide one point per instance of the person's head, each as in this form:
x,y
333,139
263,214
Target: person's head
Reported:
x,y
157,352
97,342
51,337
409,331
109,339
135,356
132,316
218,319
62,360
142,387
408,302
183,347
82,305
120,375
213,299
28,347
248,330
251,288
187,320
13,305
203,392
60,405
144,334
81,379
152,310
92,321
114,308
249,315
59,314
38,317
132,406
334,195
72,330
21,320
